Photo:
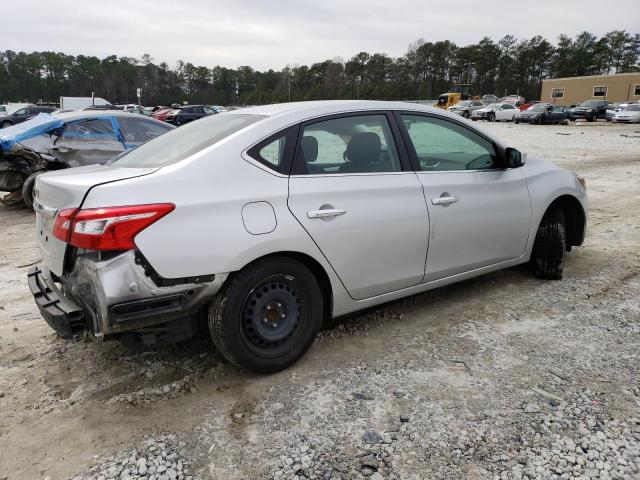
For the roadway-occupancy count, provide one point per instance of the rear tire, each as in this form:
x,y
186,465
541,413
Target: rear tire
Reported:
x,y
5,124
465,114
267,316
492,117
547,257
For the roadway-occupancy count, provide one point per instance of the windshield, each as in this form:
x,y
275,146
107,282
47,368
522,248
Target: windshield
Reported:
x,y
590,103
632,108
464,103
538,107
493,106
183,142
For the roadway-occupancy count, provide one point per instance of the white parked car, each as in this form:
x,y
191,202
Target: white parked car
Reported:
x,y
495,112
629,114
277,217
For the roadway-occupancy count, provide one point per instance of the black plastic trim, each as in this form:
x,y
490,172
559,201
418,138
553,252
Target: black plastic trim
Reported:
x,y
137,309
65,317
161,281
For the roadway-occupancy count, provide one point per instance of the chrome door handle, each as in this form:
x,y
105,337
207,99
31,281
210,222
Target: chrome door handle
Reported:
x,y
444,200
329,212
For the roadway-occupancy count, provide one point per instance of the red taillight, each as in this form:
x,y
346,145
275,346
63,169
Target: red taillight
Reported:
x,y
109,228
62,225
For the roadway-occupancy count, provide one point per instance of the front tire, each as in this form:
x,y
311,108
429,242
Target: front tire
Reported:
x,y
5,124
492,117
27,189
547,257
267,316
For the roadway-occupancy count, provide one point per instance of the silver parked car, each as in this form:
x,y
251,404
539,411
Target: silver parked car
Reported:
x,y
465,108
629,114
277,217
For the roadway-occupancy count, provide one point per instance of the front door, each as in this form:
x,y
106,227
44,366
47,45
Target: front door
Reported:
x,y
360,205
479,212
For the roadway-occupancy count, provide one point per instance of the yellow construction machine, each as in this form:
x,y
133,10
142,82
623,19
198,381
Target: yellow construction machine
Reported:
x,y
459,91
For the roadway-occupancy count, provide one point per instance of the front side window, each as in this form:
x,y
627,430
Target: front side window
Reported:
x,y
442,146
22,111
89,131
357,144
599,91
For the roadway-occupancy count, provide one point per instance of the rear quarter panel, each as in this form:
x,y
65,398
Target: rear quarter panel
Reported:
x,y
205,234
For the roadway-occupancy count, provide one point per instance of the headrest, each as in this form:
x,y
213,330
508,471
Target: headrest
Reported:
x,y
364,147
309,146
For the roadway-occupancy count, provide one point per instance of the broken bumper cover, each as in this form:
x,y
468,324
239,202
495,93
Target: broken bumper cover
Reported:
x,y
115,296
62,314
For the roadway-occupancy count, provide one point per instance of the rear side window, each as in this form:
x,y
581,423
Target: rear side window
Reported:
x,y
354,144
178,144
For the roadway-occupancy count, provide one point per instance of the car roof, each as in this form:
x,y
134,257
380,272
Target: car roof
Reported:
x,y
282,115
327,107
78,114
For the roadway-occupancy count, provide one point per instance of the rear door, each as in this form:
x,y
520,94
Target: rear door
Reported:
x,y
354,193
88,142
479,212
21,115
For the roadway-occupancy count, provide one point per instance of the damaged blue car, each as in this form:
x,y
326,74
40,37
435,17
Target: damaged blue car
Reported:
x,y
65,140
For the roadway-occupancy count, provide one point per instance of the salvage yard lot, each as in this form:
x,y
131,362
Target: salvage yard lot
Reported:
x,y
496,377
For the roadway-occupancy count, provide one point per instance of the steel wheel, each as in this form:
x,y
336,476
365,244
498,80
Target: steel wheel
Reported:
x,y
271,314
267,315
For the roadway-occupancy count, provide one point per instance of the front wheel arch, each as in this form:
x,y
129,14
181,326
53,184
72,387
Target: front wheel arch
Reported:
x,y
575,218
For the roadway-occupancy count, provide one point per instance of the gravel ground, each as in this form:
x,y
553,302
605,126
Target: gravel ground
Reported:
x,y
501,377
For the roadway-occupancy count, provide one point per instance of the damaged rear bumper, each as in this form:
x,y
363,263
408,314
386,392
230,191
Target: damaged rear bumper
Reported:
x,y
62,314
114,296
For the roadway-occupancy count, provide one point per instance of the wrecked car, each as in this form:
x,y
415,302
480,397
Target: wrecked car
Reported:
x,y
65,140
276,218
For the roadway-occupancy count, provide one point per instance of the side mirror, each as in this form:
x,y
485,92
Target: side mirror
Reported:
x,y
514,158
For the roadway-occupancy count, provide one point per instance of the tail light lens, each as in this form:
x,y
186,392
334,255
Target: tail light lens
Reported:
x,y
62,224
109,228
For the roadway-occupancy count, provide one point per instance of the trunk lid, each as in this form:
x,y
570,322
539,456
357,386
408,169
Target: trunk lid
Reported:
x,y
56,191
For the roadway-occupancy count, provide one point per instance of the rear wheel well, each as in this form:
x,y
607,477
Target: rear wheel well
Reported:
x,y
316,269
575,219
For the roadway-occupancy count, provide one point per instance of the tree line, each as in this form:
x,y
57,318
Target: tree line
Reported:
x,y
508,65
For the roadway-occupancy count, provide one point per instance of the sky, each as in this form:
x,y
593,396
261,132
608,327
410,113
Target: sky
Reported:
x,y
272,34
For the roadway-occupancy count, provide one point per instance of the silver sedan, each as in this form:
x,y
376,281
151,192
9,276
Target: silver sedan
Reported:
x,y
276,218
